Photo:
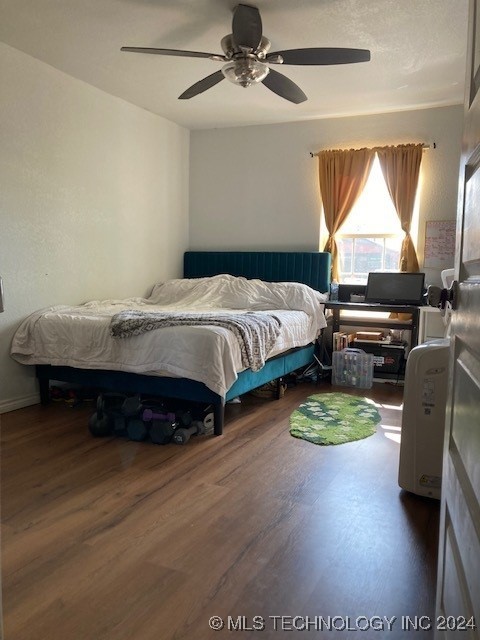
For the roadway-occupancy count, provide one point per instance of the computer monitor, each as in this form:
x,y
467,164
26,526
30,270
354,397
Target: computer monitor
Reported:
x,y
395,288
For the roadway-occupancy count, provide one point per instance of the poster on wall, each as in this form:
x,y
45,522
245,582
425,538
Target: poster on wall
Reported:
x,y
439,244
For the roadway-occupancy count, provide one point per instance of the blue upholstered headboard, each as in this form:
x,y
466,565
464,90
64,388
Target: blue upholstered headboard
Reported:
x,y
311,268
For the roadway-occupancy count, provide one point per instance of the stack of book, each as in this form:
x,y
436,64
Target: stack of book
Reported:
x,y
341,340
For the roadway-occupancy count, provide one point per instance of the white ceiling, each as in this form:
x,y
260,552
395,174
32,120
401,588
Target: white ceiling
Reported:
x,y
417,47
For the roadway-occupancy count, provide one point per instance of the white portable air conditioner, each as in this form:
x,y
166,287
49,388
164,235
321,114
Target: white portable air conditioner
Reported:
x,y
423,419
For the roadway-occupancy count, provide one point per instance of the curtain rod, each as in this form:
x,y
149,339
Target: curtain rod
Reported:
x,y
424,145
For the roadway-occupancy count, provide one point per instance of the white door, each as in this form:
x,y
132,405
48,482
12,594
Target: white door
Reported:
x,y
458,582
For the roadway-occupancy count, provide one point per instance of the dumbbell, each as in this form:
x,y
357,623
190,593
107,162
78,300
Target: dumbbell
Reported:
x,y
136,429
131,406
183,434
133,428
161,431
113,410
100,423
208,423
150,414
183,417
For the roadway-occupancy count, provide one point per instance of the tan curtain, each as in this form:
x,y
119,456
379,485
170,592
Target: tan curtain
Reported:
x,y
342,174
401,168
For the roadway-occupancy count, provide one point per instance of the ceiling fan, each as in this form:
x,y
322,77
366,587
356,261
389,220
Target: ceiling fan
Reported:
x,y
246,52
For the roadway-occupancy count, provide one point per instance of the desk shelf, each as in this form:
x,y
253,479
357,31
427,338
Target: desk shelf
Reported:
x,y
367,322
349,321
387,323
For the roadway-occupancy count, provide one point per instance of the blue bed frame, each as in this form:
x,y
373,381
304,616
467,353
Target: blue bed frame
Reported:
x,y
311,268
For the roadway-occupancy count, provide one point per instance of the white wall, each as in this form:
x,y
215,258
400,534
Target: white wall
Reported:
x,y
257,187
93,200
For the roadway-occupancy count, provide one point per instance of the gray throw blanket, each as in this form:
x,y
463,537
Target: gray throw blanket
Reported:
x,y
256,332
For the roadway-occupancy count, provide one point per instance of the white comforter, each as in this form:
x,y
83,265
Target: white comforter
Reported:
x,y
79,336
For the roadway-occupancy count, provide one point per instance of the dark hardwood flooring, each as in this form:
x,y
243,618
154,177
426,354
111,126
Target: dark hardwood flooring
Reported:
x,y
105,539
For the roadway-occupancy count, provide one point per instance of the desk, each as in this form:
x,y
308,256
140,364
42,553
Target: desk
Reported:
x,y
411,325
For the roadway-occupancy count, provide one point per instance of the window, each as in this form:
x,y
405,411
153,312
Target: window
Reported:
x,y
371,237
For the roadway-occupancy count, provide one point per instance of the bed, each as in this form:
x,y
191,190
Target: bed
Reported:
x,y
205,272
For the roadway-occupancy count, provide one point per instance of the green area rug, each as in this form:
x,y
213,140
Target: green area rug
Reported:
x,y
334,418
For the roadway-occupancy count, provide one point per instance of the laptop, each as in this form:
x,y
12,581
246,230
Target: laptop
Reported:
x,y
402,288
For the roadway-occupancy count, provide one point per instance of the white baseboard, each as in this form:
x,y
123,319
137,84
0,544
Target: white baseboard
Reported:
x,y
19,403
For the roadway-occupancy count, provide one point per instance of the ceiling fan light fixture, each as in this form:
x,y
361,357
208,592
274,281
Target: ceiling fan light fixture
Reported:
x,y
246,52
245,71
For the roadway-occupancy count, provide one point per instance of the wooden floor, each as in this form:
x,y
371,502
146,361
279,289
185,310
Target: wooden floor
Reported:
x,y
106,539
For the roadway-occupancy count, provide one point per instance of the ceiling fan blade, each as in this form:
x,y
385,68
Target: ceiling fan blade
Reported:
x,y
202,85
172,52
322,55
284,87
247,26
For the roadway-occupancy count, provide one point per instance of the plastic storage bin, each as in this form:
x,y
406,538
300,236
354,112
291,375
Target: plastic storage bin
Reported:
x,y
352,368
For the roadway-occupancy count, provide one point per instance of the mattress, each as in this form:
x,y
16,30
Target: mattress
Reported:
x,y
79,336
